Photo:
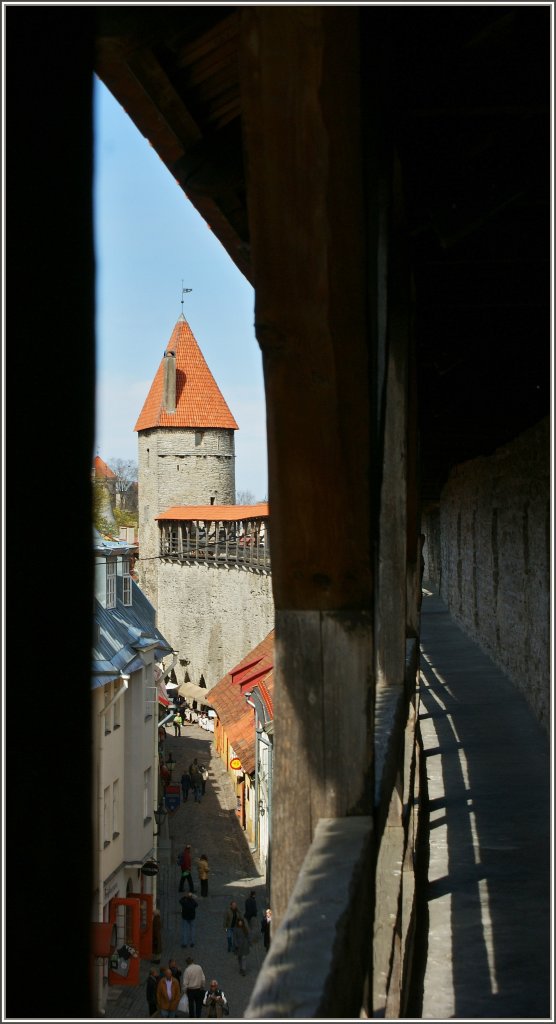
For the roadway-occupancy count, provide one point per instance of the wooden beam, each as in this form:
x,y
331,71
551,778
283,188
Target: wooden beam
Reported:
x,y
210,42
170,106
392,545
302,138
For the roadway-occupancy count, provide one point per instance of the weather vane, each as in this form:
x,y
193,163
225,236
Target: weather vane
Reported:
x,y
184,291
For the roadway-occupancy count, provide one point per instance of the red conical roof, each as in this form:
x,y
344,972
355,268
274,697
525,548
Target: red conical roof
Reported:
x,y
102,469
199,401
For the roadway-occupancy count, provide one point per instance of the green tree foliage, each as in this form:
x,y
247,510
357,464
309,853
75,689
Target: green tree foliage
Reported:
x,y
109,526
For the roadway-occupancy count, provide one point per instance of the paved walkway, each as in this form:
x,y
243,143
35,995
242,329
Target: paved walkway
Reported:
x,y
212,827
488,896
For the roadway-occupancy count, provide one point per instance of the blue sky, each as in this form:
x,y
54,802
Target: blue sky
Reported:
x,y
148,238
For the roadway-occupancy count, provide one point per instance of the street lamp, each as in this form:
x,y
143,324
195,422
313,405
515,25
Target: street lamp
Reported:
x,y
159,815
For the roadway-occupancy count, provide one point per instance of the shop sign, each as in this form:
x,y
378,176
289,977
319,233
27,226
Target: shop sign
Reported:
x,y
172,798
235,763
150,867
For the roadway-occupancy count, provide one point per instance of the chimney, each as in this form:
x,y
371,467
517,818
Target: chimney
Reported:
x,y
169,393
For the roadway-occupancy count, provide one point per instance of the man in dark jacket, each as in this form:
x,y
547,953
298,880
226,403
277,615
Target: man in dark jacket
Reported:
x,y
188,911
152,983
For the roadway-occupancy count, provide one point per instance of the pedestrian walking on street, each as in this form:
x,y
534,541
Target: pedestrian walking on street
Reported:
x,y
168,994
196,781
185,784
204,778
157,936
188,905
266,926
165,776
195,984
203,872
185,864
150,989
215,1000
242,944
178,722
230,921
251,916
172,964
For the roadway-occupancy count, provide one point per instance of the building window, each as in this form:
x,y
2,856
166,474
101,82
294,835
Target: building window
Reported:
x,y
147,794
110,582
116,808
126,582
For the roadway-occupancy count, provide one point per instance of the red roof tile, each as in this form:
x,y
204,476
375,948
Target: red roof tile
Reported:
x,y
210,513
199,401
228,700
102,469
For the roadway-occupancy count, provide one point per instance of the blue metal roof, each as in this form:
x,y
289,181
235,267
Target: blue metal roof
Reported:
x,y
122,632
103,546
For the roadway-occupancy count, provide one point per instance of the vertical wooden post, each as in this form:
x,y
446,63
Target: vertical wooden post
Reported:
x,y
300,73
392,549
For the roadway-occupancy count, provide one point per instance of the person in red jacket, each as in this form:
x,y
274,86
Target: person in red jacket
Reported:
x,y
185,864
165,776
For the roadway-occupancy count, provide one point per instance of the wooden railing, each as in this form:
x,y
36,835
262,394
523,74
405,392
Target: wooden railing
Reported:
x,y
222,546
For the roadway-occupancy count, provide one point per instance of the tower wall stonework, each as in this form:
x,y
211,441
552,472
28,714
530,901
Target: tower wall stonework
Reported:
x,y
488,550
178,467
213,615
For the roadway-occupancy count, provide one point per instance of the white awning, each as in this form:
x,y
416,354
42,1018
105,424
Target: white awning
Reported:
x,y
193,692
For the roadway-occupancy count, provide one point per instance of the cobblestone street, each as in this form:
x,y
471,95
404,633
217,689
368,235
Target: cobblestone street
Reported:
x,y
212,827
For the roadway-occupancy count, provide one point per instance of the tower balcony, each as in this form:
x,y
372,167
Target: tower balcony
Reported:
x,y
217,535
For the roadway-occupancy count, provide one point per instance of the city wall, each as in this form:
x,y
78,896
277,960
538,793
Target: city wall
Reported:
x,y
487,549
213,615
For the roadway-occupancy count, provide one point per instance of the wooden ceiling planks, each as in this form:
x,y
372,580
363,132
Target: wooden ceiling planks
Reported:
x,y
157,86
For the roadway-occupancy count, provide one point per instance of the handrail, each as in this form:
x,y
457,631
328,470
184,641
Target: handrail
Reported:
x,y
319,957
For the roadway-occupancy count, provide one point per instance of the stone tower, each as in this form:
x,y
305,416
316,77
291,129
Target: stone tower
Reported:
x,y
186,445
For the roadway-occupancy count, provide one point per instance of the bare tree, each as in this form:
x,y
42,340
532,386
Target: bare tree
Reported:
x,y
245,498
125,471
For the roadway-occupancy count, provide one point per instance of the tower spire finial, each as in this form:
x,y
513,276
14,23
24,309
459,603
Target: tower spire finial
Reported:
x,y
184,291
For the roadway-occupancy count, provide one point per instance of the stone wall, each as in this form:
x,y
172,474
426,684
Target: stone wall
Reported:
x,y
213,615
487,550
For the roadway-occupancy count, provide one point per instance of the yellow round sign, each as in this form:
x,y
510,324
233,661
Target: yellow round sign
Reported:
x,y
235,763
